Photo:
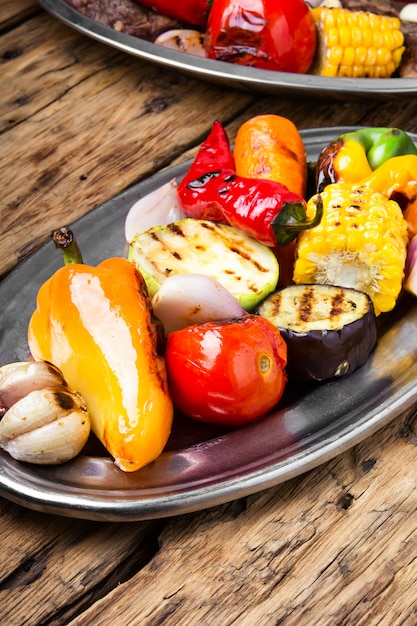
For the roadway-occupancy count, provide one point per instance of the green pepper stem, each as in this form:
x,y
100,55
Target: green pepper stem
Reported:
x,y
65,241
292,219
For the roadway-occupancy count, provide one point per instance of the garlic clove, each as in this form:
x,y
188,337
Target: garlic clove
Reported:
x,y
37,409
20,378
53,443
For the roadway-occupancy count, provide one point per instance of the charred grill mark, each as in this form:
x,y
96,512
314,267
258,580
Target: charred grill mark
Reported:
x,y
306,305
289,154
174,228
176,255
276,305
337,303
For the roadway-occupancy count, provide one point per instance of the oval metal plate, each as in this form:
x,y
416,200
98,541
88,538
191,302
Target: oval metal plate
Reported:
x,y
202,466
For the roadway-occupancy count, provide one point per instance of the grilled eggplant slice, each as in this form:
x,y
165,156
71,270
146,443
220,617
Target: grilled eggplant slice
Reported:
x,y
246,268
330,331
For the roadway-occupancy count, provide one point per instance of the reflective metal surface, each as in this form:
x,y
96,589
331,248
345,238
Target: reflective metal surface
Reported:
x,y
248,78
202,466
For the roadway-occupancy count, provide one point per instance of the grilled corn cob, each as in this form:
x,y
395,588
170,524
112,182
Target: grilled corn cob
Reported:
x,y
361,243
356,44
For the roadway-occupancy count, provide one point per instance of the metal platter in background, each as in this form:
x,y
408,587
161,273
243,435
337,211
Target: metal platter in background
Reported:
x,y
247,78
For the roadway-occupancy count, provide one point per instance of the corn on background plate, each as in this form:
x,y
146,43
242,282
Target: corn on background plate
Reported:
x,y
250,78
202,466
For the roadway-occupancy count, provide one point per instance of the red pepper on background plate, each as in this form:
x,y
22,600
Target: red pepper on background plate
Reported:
x,y
268,34
190,11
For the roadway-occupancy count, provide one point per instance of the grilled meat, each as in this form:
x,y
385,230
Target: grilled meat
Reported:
x,y
126,16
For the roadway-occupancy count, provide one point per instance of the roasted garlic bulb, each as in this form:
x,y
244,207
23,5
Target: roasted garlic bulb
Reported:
x,y
44,422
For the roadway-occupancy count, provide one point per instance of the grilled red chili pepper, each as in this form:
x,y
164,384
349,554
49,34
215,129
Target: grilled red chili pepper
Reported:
x,y
214,154
264,209
190,11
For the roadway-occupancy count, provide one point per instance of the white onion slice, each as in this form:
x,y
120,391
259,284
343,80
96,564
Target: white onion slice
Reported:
x,y
187,299
159,207
183,40
410,281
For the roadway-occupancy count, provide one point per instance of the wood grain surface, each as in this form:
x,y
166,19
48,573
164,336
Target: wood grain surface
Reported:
x,y
80,122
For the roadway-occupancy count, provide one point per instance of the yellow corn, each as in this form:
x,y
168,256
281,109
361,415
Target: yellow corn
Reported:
x,y
356,44
361,242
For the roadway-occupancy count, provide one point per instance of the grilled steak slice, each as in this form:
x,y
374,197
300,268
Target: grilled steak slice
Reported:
x,y
126,16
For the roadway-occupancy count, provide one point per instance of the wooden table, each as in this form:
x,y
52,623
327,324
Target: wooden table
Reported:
x,y
338,545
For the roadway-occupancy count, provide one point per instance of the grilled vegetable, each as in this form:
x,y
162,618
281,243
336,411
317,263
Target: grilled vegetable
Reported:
x,y
360,243
44,421
187,299
95,324
329,331
261,206
230,372
46,427
352,156
20,378
246,268
356,43
264,209
270,146
268,34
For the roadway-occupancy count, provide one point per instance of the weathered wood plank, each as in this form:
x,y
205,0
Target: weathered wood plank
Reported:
x,y
12,12
112,124
300,553
64,563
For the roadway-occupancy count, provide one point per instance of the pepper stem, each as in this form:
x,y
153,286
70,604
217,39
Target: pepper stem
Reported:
x,y
64,240
292,219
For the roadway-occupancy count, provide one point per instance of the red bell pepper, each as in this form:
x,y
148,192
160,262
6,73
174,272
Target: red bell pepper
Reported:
x,y
193,12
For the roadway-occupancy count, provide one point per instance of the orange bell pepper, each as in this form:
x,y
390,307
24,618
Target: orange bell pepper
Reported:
x,y
95,324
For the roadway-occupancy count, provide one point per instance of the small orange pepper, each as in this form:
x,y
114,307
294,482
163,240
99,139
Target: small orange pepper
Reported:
x,y
270,146
95,324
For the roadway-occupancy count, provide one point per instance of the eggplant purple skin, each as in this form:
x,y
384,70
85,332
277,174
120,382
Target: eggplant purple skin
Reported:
x,y
320,355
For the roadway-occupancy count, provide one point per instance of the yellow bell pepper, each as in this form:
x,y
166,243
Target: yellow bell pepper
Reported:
x,y
95,324
396,179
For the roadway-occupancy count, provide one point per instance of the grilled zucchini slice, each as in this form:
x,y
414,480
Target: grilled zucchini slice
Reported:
x,y
246,268
329,330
